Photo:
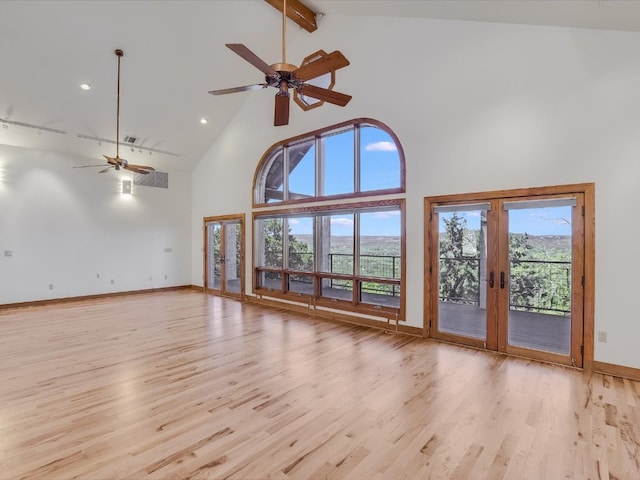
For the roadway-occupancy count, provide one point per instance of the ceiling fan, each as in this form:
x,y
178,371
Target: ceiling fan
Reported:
x,y
116,162
284,76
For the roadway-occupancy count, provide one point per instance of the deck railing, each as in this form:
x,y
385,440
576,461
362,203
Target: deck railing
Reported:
x,y
542,286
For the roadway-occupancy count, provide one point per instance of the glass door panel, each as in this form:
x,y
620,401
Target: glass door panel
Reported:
x,y
233,257
462,267
540,275
214,257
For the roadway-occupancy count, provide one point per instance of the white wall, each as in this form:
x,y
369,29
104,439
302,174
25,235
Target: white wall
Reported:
x,y
66,227
477,107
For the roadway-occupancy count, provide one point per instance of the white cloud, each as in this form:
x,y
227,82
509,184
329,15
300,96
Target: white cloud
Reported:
x,y
293,221
390,214
342,221
381,147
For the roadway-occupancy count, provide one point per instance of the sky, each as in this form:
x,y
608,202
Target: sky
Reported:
x,y
380,223
534,221
380,169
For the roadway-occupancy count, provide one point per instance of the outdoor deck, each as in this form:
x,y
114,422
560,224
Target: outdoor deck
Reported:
x,y
539,331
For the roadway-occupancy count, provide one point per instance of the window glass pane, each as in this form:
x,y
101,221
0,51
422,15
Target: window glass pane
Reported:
x,y
214,256
273,181
382,294
300,251
336,289
271,281
302,170
302,284
380,244
336,243
269,246
338,163
462,264
379,160
540,271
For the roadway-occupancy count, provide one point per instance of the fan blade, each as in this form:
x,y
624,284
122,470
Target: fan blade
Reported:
x,y
141,167
252,58
89,166
330,63
323,94
281,115
246,88
134,168
106,169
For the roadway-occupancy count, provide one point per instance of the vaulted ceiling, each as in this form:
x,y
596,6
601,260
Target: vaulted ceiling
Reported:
x,y
174,54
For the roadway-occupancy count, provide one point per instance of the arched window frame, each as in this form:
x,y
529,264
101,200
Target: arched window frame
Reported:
x,y
281,153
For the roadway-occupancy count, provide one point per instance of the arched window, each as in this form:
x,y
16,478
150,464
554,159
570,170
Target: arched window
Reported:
x,y
354,159
342,254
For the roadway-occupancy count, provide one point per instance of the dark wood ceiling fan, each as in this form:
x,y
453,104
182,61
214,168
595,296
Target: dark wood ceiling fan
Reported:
x,y
116,162
284,76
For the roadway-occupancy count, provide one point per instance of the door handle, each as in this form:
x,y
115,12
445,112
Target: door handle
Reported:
x,y
491,282
501,279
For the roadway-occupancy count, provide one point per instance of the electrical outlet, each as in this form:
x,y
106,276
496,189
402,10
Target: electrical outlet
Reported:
x,y
97,275
151,279
166,277
8,253
602,337
51,286
113,281
168,250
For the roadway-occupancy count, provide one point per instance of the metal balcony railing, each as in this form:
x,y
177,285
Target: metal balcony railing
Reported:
x,y
542,286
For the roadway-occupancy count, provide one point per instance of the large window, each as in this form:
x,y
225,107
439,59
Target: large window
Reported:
x,y
339,255
359,158
346,257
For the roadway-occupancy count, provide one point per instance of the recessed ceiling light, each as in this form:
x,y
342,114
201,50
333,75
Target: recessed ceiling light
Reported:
x,y
204,121
85,86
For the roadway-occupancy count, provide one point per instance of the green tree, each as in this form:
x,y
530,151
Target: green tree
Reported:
x,y
300,255
526,283
459,272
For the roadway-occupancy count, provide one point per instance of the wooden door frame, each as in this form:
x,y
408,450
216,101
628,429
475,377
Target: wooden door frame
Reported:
x,y
240,217
586,298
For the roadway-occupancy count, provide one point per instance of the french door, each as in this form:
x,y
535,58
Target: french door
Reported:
x,y
506,272
224,255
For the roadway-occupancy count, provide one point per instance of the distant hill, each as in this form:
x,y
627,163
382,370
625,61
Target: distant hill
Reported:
x,y
560,242
391,245
370,244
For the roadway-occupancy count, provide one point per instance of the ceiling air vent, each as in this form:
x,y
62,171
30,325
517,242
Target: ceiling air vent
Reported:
x,y
130,140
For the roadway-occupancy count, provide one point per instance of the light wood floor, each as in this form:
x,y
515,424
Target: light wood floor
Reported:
x,y
184,385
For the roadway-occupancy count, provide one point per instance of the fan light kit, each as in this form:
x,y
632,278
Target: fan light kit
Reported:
x,y
85,86
284,76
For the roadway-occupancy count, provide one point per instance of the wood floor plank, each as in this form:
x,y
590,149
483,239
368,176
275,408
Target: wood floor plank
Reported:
x,y
183,385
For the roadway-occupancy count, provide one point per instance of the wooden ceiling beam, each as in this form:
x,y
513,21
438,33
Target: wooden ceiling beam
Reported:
x,y
298,12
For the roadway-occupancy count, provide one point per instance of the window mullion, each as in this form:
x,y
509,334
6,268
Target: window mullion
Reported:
x,y
356,158
285,173
285,243
356,256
